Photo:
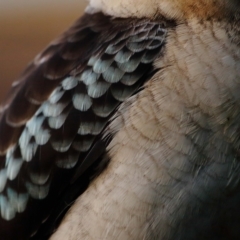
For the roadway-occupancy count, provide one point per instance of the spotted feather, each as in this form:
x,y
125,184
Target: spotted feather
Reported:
x,y
52,122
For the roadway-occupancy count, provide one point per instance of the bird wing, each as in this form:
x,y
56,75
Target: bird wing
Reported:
x,y
52,120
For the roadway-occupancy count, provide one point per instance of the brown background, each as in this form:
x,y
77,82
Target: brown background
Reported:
x,y
26,28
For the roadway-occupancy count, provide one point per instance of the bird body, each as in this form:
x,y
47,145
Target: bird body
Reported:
x,y
134,111
174,143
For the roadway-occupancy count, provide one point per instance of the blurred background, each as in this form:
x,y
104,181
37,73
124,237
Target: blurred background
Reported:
x,y
26,27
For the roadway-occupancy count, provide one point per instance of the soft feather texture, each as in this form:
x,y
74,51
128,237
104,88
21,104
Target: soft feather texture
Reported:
x,y
174,169
171,9
172,146
52,121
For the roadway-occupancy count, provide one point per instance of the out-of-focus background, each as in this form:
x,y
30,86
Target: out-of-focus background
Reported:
x,y
26,27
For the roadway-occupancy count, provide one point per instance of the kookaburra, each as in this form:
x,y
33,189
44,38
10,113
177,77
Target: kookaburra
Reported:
x,y
127,127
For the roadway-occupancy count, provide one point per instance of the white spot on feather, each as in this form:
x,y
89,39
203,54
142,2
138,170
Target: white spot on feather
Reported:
x,y
69,83
82,101
94,128
42,137
56,95
62,145
25,138
17,201
7,210
57,122
29,151
39,178
69,162
53,110
13,168
113,74
92,61
101,66
37,191
34,124
89,77
97,89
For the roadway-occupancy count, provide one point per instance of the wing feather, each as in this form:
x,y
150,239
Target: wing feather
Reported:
x,y
52,121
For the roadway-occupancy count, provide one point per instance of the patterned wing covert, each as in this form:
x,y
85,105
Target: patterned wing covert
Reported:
x,y
51,122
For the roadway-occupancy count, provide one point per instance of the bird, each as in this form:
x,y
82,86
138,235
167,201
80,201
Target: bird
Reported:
x,y
126,127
